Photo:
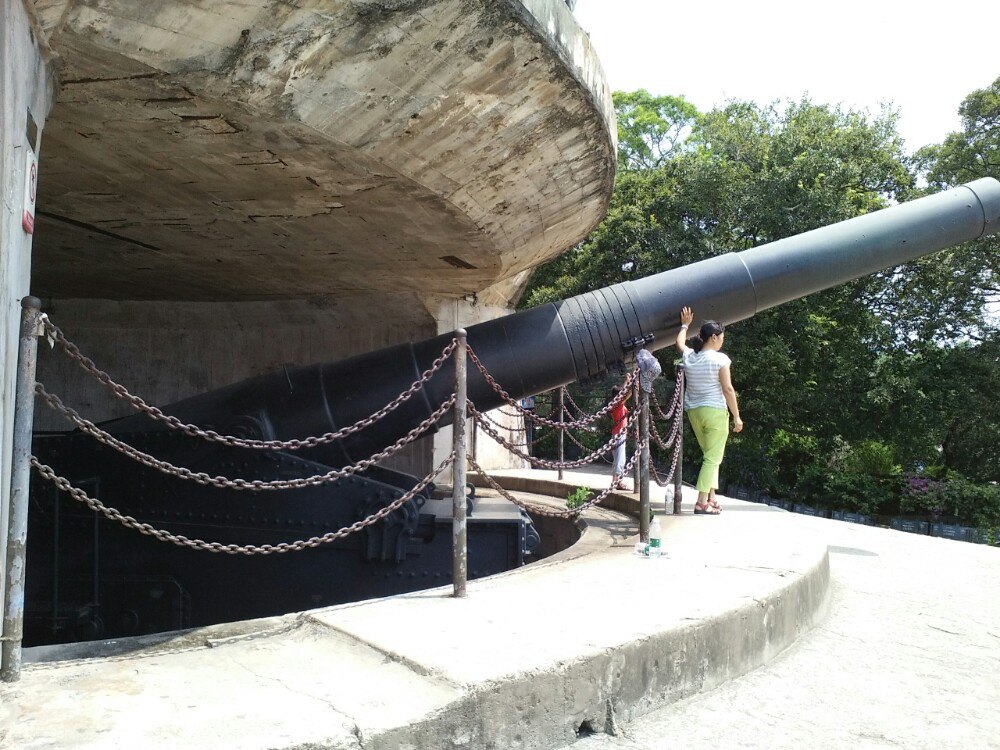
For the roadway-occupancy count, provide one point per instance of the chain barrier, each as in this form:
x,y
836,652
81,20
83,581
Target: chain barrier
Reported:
x,y
570,402
674,400
139,404
491,381
541,462
674,431
112,514
580,413
661,481
544,510
255,485
487,424
522,429
581,446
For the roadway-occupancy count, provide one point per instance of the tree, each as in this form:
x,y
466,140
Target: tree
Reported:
x,y
944,408
973,152
838,368
651,129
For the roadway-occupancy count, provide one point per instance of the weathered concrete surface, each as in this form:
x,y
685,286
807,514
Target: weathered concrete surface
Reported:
x,y
25,84
908,658
589,638
266,149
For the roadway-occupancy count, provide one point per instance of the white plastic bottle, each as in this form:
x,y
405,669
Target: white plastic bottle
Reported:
x,y
655,550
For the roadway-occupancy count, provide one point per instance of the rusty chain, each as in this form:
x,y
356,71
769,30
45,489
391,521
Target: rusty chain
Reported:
x,y
162,535
236,484
674,456
660,481
671,409
295,444
674,400
579,409
674,431
492,421
580,445
491,381
580,413
541,462
544,510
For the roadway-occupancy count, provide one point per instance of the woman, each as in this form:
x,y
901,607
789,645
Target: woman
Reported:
x,y
708,391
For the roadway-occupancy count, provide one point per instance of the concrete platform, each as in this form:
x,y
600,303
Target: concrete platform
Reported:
x,y
590,637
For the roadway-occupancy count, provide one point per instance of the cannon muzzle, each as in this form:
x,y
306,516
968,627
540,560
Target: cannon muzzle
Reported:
x,y
583,337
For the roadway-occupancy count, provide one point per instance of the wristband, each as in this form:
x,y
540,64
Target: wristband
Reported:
x,y
684,326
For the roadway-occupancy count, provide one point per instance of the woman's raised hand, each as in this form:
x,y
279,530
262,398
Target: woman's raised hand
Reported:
x,y
686,316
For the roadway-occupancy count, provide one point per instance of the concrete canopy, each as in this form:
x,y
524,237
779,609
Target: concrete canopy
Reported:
x,y
269,149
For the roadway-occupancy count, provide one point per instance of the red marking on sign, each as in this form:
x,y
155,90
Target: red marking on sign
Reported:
x,y
30,189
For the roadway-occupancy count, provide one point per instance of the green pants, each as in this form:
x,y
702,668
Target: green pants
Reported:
x,y
711,427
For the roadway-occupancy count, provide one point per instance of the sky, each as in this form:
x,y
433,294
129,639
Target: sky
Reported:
x,y
924,58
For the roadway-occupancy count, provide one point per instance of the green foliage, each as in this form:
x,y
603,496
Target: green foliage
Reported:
x,y
577,497
943,404
790,456
845,388
651,129
953,499
870,458
959,282
861,492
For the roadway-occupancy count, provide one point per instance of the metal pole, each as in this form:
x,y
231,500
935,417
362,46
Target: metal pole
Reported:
x,y
644,466
679,448
20,479
636,478
562,418
460,559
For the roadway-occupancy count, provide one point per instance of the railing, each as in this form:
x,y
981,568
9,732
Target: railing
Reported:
x,y
36,325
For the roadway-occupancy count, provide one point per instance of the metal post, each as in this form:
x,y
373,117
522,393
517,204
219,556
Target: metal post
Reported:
x,y
635,468
460,560
562,418
643,464
679,448
17,530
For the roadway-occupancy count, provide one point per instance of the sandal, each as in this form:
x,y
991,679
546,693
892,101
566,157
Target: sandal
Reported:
x,y
706,510
715,504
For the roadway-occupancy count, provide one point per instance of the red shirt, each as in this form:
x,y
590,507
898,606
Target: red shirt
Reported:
x,y
618,416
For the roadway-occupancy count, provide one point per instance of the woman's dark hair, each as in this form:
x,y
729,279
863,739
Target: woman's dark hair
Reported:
x,y
708,329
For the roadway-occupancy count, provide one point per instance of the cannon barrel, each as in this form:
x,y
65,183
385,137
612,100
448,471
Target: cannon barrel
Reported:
x,y
583,337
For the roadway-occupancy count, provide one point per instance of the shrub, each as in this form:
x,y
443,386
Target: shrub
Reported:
x,y
862,493
867,457
577,497
791,458
954,498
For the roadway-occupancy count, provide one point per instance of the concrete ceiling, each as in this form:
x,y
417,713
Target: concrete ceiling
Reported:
x,y
268,149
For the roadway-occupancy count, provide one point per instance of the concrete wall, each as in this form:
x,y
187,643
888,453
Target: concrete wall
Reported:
x,y
25,83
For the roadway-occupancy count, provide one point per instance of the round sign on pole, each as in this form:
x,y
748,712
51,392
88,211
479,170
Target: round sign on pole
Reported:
x,y
30,188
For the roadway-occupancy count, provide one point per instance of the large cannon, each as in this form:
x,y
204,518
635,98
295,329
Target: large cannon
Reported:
x,y
90,579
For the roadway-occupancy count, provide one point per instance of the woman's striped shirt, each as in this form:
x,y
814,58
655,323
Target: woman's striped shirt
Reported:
x,y
702,386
